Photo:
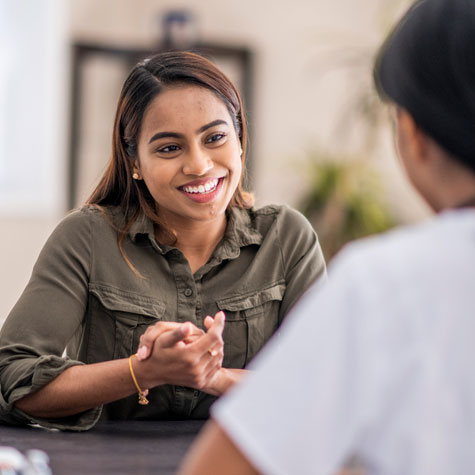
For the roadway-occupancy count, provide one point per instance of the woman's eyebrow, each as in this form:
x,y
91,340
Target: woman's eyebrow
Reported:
x,y
161,135
176,135
211,124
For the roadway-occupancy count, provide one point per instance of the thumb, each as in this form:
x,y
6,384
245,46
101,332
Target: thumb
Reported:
x,y
171,338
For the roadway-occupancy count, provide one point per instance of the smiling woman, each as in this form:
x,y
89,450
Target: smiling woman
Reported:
x,y
129,283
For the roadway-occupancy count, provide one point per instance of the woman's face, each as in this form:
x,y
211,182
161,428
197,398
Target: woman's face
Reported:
x,y
189,154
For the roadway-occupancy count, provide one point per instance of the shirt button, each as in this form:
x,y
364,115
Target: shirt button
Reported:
x,y
188,292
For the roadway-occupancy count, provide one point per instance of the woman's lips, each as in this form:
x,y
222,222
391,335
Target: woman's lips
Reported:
x,y
202,192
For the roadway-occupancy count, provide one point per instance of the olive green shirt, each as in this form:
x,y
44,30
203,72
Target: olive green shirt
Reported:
x,y
85,298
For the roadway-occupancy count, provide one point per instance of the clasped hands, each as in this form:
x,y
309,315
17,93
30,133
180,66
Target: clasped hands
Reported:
x,y
184,355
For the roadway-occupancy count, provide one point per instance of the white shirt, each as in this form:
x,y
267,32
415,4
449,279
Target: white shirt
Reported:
x,y
380,362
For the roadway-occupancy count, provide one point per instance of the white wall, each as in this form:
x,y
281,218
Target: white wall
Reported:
x,y
21,240
33,131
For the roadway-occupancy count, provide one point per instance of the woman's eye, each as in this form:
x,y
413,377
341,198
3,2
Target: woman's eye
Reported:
x,y
169,149
215,138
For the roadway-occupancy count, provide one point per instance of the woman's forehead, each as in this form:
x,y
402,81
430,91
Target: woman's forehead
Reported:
x,y
184,105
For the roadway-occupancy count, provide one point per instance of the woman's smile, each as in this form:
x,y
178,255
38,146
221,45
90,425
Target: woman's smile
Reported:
x,y
202,191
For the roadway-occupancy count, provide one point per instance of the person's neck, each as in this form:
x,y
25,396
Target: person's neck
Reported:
x,y
457,193
198,239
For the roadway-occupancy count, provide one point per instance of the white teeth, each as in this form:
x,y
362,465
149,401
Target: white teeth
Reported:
x,y
206,188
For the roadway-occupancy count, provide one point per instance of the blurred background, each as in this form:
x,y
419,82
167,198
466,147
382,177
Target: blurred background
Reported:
x,y
320,140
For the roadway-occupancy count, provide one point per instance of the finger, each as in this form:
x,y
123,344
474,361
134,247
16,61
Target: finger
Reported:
x,y
215,357
171,338
208,321
213,338
221,315
154,331
143,352
218,322
151,334
195,331
193,337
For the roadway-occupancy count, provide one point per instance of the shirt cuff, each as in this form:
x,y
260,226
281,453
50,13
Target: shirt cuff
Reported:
x,y
41,371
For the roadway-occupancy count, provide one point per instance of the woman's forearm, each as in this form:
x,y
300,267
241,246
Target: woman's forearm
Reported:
x,y
80,388
234,377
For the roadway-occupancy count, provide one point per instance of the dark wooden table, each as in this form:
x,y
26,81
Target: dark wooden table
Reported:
x,y
126,447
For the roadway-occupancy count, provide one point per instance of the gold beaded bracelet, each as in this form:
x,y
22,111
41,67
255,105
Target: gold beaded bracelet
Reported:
x,y
142,394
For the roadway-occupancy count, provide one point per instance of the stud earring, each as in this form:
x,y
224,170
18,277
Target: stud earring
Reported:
x,y
135,176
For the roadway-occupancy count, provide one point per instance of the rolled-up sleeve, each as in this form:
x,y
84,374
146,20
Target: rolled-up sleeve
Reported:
x,y
46,317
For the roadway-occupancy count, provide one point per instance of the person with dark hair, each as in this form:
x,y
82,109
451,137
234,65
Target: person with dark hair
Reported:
x,y
383,353
122,298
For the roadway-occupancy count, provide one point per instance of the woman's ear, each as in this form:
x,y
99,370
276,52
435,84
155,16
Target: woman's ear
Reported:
x,y
412,141
136,175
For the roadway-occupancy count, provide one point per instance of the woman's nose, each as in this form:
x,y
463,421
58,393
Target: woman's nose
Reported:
x,y
198,162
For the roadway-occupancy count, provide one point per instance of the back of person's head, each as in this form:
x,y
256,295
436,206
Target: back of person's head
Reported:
x,y
427,66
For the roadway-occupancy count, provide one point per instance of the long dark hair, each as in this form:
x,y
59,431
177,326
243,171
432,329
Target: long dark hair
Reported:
x,y
427,66
146,80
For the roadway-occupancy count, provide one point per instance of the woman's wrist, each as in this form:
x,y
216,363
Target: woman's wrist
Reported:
x,y
224,380
146,379
219,383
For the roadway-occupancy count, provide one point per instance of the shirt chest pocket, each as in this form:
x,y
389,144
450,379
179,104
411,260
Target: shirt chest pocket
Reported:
x,y
116,319
251,319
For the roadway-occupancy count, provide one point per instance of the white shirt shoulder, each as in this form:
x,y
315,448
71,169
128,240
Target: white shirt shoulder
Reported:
x,y
385,371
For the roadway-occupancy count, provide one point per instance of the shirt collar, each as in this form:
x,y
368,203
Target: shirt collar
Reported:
x,y
240,229
142,225
240,232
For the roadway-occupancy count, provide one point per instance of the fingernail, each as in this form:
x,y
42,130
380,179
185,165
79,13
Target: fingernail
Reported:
x,y
142,352
223,315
